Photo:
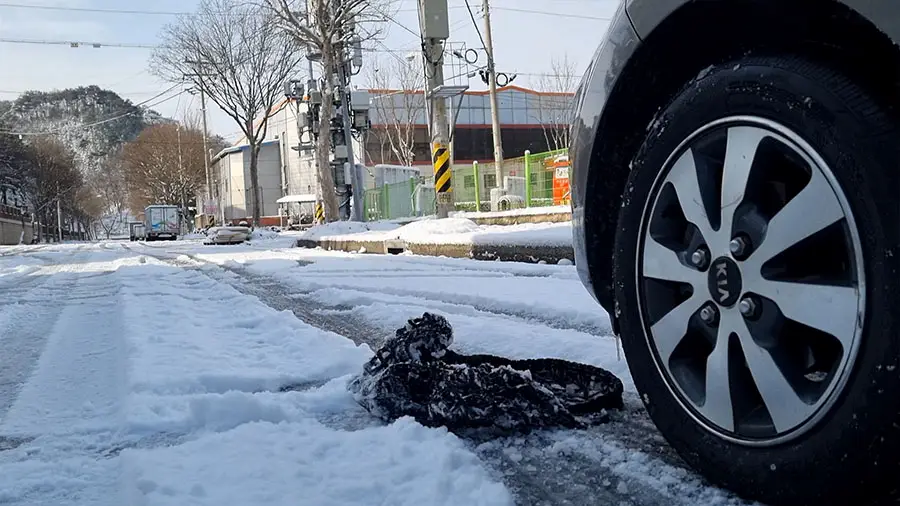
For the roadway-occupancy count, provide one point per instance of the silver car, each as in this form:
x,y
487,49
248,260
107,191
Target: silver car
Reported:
x,y
736,200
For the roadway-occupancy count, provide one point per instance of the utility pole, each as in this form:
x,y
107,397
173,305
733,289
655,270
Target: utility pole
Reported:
x,y
433,21
345,111
59,217
199,76
492,86
205,148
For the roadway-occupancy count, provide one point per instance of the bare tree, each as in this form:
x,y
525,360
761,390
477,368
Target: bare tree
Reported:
x,y
164,165
555,101
51,176
398,104
108,187
230,51
326,28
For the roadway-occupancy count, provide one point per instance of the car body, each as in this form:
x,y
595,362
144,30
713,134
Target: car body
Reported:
x,y
709,88
623,70
227,235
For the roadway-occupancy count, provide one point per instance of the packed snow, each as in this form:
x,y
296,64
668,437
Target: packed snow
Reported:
x,y
183,374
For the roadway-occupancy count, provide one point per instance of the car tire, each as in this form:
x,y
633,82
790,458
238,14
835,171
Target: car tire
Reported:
x,y
846,452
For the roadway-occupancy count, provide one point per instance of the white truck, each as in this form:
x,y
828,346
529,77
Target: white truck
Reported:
x,y
137,231
162,222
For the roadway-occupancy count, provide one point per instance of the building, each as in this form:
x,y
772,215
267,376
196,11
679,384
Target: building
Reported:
x,y
529,121
235,193
286,173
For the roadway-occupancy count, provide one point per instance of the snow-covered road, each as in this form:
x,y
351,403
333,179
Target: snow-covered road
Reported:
x,y
182,374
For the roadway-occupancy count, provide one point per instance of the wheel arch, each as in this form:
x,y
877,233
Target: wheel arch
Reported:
x,y
671,56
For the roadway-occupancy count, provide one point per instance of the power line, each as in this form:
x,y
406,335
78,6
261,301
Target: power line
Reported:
x,y
556,14
93,10
74,43
127,11
475,23
185,13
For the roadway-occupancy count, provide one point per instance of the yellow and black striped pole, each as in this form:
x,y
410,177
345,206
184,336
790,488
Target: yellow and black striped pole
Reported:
x,y
320,213
440,158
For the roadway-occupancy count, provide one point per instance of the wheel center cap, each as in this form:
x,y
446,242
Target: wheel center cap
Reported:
x,y
725,281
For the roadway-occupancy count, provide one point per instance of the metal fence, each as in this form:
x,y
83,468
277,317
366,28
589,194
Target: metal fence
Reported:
x,y
536,179
400,200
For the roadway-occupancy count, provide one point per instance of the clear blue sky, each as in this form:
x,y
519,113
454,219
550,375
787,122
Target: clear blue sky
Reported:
x,y
524,42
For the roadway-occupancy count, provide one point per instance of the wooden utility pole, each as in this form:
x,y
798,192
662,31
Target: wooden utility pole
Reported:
x,y
433,19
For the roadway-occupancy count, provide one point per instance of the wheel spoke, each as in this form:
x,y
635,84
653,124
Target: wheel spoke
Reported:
x,y
662,263
813,209
718,405
831,309
739,154
785,406
670,330
684,178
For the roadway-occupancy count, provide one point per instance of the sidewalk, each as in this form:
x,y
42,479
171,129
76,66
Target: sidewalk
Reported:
x,y
450,237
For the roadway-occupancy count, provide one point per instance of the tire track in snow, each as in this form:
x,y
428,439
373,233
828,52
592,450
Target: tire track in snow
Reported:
x,y
533,468
69,405
28,314
623,462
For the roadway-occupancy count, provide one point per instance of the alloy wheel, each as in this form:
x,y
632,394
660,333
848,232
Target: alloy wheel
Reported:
x,y
751,281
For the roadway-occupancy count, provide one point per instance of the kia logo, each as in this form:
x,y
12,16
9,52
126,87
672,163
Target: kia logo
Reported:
x,y
722,280
725,281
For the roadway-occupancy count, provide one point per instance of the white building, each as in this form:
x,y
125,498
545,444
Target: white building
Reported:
x,y
284,171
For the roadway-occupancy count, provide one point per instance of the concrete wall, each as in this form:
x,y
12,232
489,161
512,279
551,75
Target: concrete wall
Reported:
x,y
11,232
269,172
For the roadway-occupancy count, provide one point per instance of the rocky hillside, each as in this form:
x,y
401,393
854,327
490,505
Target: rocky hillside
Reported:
x,y
93,122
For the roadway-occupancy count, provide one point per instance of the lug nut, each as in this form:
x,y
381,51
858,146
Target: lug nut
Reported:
x,y
748,307
739,247
709,315
700,258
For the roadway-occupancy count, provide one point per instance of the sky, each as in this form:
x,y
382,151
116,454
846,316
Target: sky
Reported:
x,y
524,43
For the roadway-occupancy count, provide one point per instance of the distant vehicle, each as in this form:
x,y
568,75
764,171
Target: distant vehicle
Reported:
x,y
162,222
137,231
735,195
227,235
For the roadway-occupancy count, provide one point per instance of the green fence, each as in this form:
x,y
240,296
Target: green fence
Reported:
x,y
399,200
530,179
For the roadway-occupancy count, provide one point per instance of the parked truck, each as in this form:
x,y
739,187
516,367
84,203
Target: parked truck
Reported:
x,y
162,222
137,231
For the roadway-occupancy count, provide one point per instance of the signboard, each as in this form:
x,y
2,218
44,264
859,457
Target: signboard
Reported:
x,y
210,207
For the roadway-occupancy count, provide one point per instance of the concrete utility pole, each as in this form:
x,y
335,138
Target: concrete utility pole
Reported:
x,y
205,148
492,86
435,27
356,213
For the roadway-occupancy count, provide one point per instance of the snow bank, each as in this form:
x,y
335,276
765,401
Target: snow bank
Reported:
x,y
342,228
526,211
263,234
449,231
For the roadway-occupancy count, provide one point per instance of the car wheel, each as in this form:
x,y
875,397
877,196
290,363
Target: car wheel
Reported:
x,y
757,286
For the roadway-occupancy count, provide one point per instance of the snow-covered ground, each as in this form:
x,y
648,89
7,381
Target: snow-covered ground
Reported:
x,y
183,374
447,231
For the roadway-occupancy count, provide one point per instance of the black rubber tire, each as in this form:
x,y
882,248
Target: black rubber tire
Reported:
x,y
851,457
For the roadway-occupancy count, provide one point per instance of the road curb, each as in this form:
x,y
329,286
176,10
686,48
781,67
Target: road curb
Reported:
x,y
527,253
